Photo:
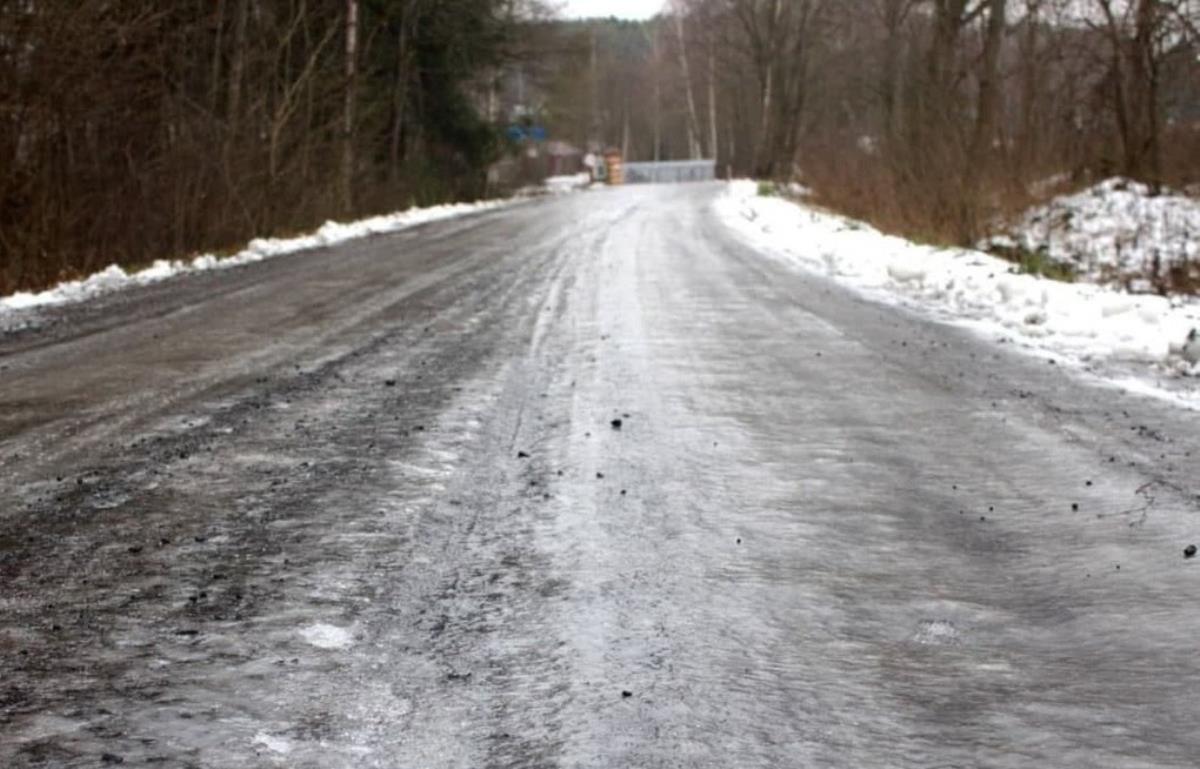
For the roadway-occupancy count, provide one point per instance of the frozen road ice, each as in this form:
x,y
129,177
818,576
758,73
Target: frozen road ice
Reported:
x,y
369,507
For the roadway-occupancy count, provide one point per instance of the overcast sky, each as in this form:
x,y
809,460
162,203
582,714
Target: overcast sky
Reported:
x,y
625,9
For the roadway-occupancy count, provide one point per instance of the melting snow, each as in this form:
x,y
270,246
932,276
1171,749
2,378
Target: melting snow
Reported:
x,y
557,185
332,233
274,744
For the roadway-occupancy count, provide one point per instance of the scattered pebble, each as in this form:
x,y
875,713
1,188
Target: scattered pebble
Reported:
x,y
1189,551
1075,507
616,424
626,694
389,383
522,455
111,758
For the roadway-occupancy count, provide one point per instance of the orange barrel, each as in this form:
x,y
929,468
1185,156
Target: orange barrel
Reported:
x,y
615,166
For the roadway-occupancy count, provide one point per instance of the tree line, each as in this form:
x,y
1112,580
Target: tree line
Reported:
x,y
136,129
929,116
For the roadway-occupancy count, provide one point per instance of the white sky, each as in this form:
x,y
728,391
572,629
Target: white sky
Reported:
x,y
625,9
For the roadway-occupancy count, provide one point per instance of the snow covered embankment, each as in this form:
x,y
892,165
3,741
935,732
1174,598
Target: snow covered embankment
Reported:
x,y
1114,232
331,234
1084,324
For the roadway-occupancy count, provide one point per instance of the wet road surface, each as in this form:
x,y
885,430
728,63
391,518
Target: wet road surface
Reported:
x,y
370,507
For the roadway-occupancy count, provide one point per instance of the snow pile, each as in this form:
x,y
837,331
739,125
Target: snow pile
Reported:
x,y
325,636
1114,232
331,234
1075,322
557,185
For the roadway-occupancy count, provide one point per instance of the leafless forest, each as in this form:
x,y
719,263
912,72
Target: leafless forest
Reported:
x,y
926,116
139,129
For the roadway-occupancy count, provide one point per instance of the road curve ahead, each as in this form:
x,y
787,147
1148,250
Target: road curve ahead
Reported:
x,y
584,483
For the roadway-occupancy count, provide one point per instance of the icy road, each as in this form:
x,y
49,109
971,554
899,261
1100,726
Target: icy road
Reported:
x,y
584,482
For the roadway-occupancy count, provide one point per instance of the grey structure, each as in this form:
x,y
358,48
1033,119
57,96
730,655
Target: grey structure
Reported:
x,y
671,172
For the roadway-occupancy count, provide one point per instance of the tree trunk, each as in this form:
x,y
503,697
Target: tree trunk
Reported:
x,y
989,93
237,68
1144,67
399,99
713,150
218,44
346,186
693,120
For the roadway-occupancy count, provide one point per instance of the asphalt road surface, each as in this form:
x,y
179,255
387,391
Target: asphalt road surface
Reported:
x,y
369,507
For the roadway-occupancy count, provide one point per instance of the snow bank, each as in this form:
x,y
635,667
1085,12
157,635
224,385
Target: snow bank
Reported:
x,y
557,185
331,234
1113,232
1075,322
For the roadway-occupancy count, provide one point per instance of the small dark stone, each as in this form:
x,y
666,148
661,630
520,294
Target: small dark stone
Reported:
x,y
522,455
622,492
1075,507
111,758
389,383
616,424
600,475
626,694
135,549
1189,551
1087,483
739,540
